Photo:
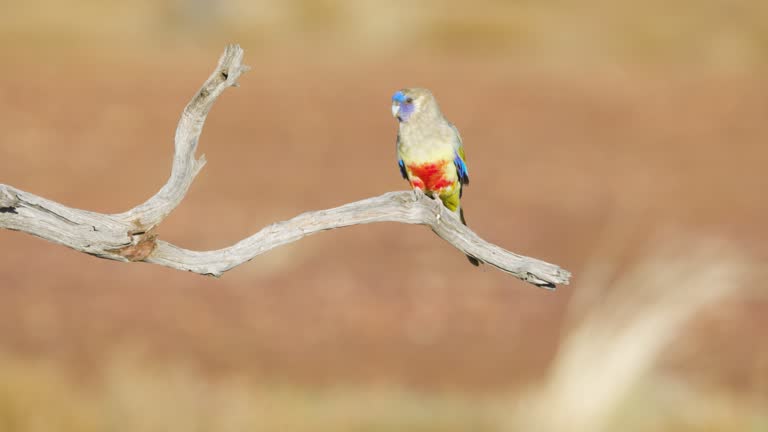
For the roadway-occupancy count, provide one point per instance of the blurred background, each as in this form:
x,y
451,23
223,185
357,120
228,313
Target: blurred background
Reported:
x,y
624,141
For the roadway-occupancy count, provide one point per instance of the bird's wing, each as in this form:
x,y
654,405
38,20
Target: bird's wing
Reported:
x,y
461,166
403,172
460,160
457,142
400,162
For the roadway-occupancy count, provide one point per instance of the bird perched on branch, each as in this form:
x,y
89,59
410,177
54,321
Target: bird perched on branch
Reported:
x,y
429,149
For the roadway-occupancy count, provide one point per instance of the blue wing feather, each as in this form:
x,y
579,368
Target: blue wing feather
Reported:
x,y
461,167
458,158
400,162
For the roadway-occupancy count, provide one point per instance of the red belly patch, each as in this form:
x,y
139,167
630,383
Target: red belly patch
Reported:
x,y
429,176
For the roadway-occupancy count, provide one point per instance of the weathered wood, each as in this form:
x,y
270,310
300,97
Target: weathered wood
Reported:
x,y
131,236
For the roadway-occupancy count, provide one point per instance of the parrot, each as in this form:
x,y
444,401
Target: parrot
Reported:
x,y
430,153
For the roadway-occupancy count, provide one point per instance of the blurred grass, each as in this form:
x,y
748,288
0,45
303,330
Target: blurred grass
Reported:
x,y
604,377
621,329
721,33
137,396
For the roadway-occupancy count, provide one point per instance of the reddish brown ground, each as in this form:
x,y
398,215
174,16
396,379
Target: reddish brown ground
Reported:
x,y
558,163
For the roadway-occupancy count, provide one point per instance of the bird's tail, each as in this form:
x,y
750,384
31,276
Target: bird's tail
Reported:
x,y
475,262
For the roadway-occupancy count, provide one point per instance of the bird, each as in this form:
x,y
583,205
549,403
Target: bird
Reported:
x,y
430,153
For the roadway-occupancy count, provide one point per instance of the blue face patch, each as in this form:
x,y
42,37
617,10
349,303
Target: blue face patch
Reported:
x,y
398,97
406,106
406,110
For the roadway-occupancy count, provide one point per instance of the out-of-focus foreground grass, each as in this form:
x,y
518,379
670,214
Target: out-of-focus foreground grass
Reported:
x,y
604,376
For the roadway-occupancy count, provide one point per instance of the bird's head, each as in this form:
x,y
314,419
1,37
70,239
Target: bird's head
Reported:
x,y
410,102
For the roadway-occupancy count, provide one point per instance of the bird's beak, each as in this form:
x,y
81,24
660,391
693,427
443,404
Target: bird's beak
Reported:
x,y
395,108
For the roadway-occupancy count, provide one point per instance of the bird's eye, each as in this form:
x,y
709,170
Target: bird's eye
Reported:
x,y
409,100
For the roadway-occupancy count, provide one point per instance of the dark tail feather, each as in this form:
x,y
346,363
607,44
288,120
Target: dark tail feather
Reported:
x,y
475,262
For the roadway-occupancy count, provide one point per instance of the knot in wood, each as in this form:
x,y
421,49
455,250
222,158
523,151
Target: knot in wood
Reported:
x,y
141,247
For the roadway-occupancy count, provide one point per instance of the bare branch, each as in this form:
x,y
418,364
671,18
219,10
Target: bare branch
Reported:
x,y
131,236
404,207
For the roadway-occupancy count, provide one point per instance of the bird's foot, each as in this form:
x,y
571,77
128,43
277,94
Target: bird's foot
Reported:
x,y
417,193
436,197
439,208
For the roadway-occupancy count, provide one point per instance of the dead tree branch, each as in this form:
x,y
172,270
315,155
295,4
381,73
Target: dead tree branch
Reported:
x,y
131,236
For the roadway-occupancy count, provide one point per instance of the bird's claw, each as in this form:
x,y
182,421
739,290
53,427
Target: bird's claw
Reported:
x,y
417,193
